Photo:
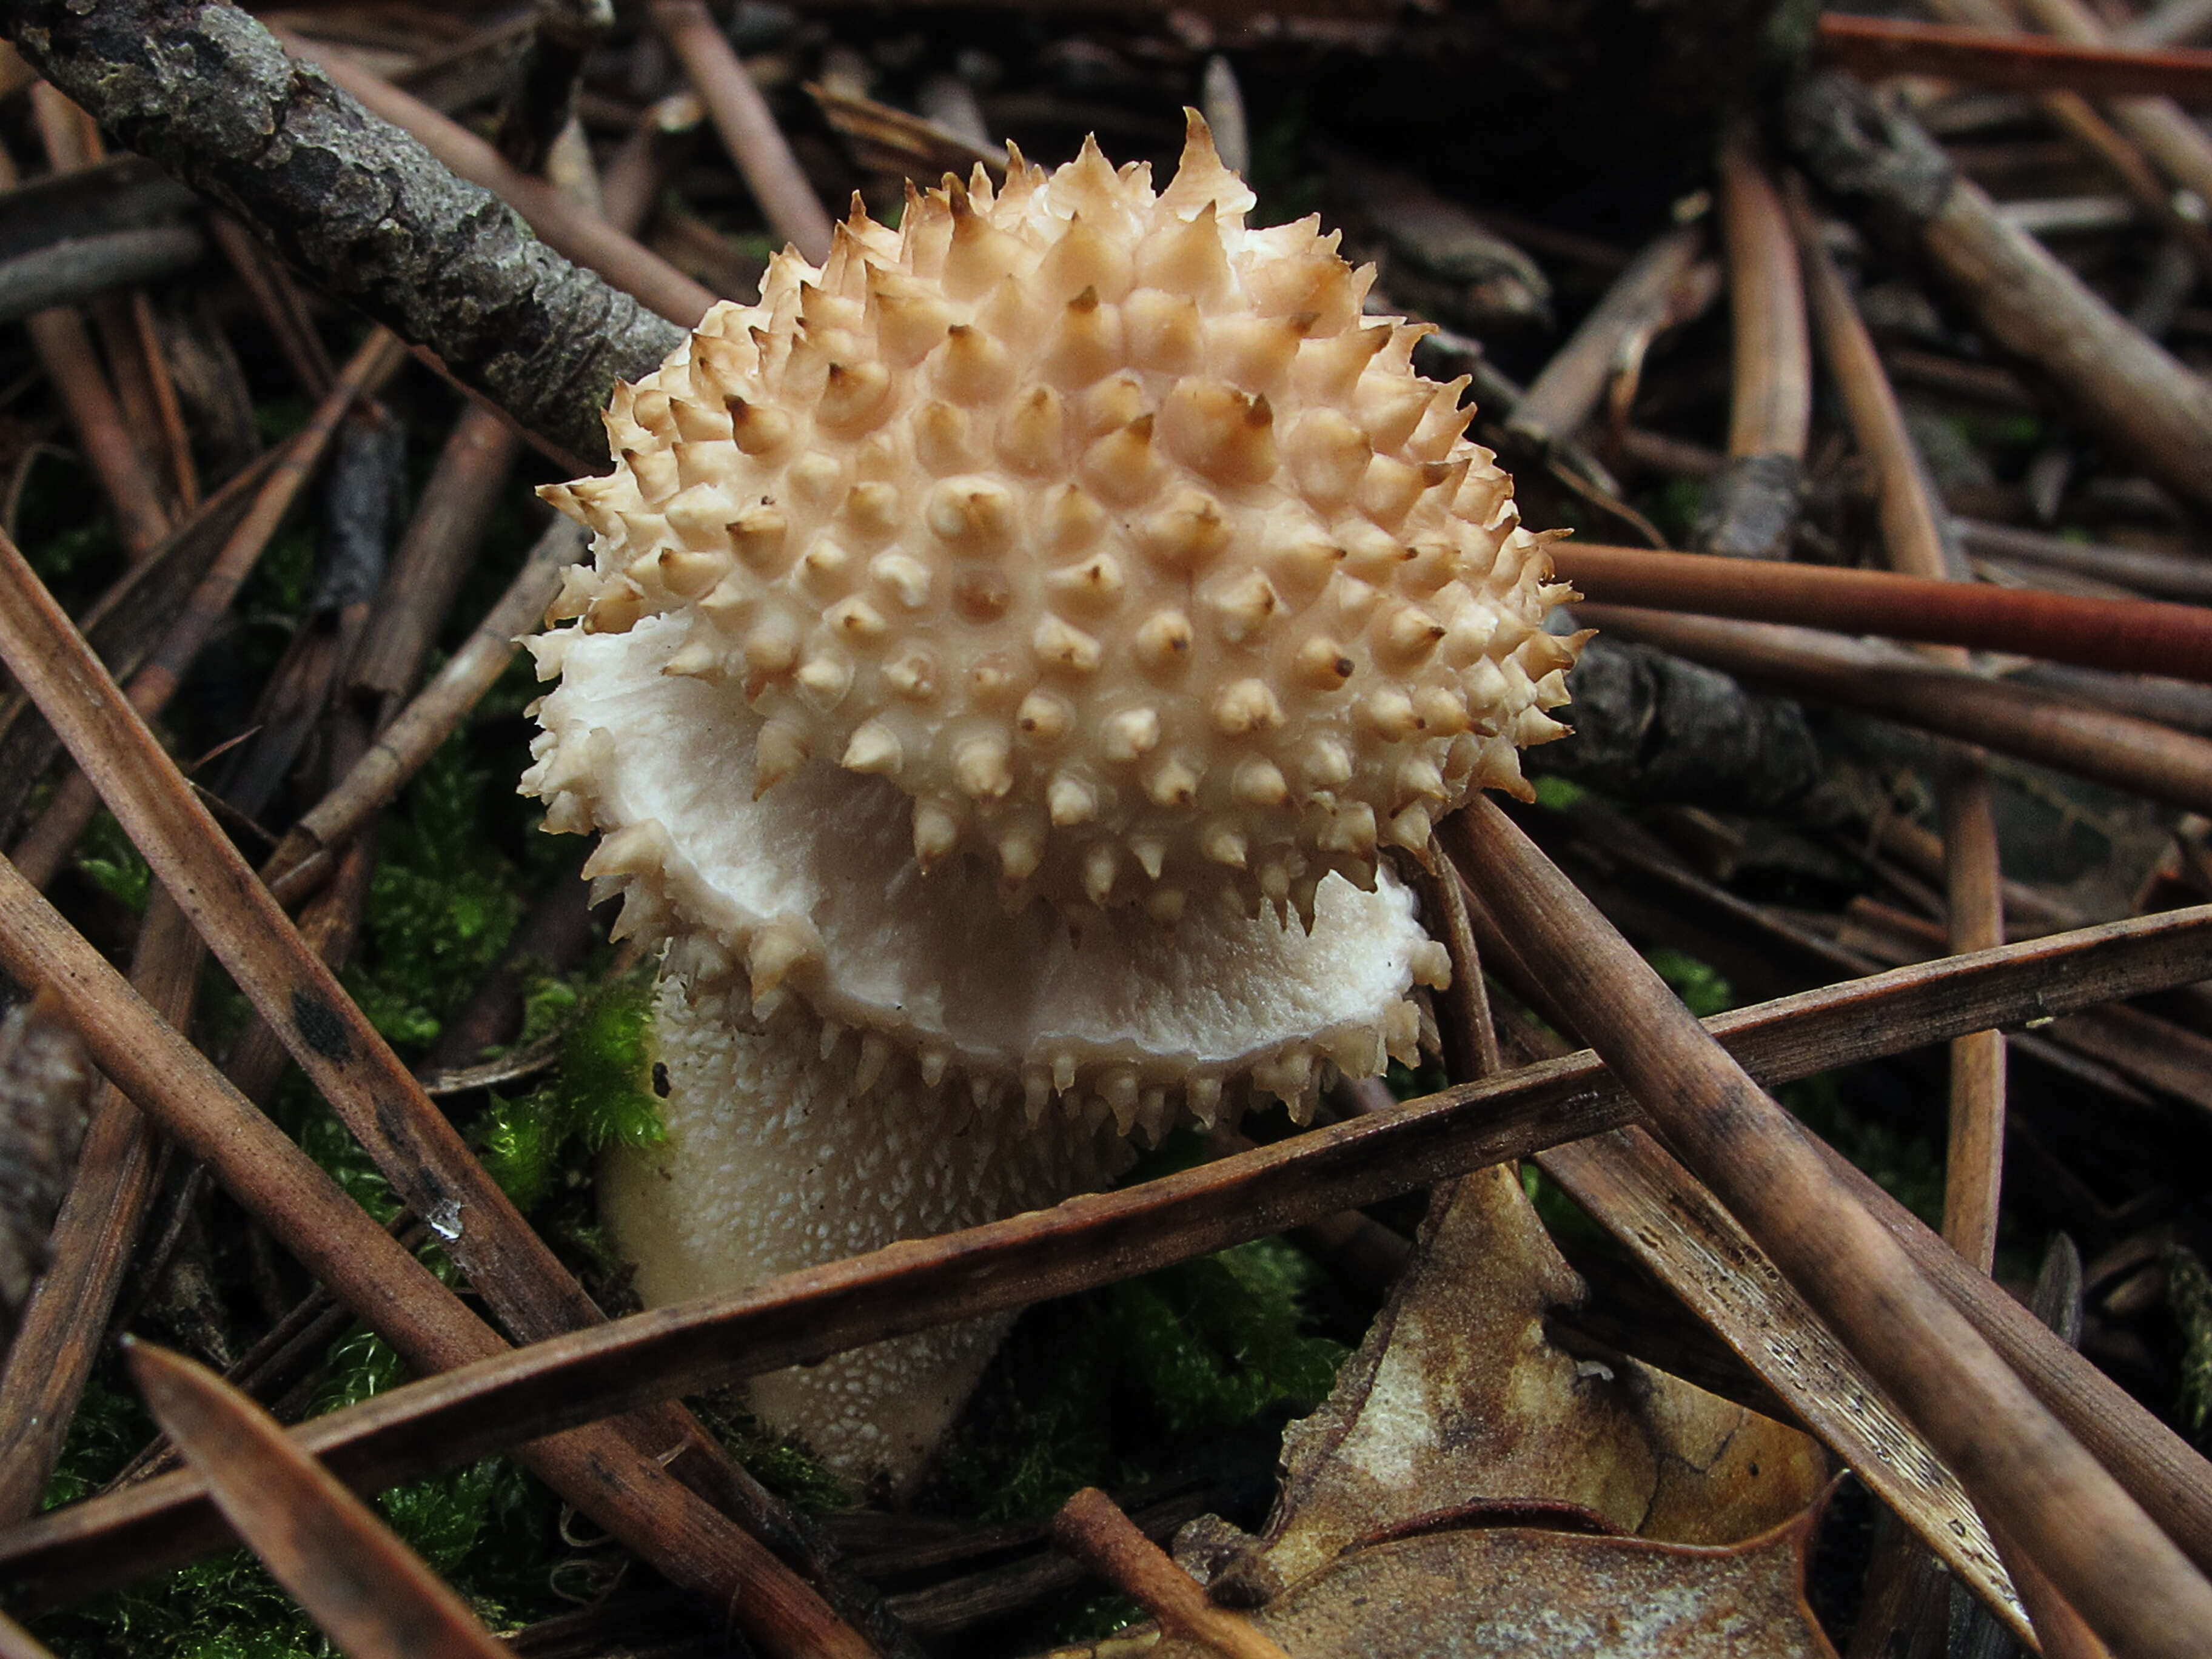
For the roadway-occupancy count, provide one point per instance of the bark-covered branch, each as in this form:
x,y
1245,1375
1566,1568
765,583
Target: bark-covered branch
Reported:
x,y
1654,727
206,91
2146,405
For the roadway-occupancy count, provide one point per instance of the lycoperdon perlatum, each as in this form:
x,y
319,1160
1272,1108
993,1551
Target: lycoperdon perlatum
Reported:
x,y
1005,654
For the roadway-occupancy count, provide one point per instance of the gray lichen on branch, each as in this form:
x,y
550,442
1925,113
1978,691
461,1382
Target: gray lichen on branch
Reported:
x,y
209,92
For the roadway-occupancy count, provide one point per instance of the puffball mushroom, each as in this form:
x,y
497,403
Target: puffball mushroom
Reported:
x,y
1006,650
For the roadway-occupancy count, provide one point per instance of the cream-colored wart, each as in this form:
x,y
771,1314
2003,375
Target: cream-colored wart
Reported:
x,y
1005,652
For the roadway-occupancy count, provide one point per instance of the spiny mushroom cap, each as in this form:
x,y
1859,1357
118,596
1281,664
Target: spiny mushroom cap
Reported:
x,y
1104,527
810,891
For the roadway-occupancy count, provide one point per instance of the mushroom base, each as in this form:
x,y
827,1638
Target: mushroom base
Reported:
x,y
774,1163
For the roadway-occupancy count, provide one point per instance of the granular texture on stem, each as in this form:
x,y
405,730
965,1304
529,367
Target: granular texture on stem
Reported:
x,y
207,91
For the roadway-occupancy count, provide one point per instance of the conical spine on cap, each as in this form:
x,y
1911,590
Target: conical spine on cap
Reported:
x,y
1108,529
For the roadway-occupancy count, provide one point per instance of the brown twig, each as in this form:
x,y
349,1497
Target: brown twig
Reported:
x,y
126,622
411,1141
2161,576
434,555
1672,1225
2164,131
2060,1631
278,298
2057,1303
2017,1460
542,94
64,350
746,125
66,272
413,736
296,1343
2166,23
357,203
1470,1035
371,1595
1973,1168
2120,154
175,438
1912,537
2129,753
1985,384
1667,1219
16,1642
2148,636
134,362
1873,48
1103,1238
1752,507
2120,383
1091,1528
46,846
135,369
94,1239
72,142
2029,909
606,1473
1562,397
330,922
44,1081
569,229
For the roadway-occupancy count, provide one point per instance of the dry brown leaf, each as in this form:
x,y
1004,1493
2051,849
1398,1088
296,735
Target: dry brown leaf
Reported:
x,y
1458,1398
1504,1592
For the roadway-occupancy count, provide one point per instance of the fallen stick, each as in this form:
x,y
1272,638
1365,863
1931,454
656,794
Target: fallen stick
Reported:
x,y
2141,636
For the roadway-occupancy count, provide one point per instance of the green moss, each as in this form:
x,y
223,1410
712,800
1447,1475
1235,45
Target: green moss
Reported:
x,y
2189,1293
331,1145
1674,506
784,1468
1411,1083
1114,1386
107,1432
283,578
756,244
441,905
1558,794
1098,1616
106,858
1702,988
74,552
600,1095
223,1607
486,1527
549,1002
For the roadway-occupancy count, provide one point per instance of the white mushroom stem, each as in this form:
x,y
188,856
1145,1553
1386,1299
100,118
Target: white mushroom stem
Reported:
x,y
774,1162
